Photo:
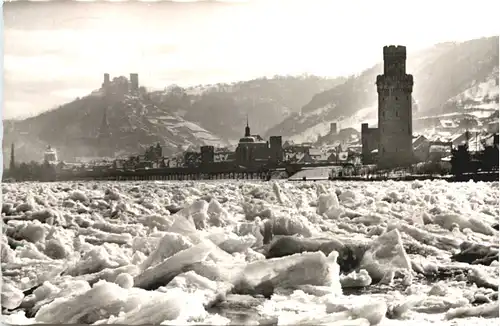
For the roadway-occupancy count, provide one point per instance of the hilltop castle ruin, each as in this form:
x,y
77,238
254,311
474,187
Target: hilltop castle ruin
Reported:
x,y
130,85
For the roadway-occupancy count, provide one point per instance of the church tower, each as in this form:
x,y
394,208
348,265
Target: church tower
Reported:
x,y
247,129
394,89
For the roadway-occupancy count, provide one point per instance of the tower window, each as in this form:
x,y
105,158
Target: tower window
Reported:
x,y
397,113
396,98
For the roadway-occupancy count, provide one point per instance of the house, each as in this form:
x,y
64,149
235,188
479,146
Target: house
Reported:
x,y
223,156
461,139
192,159
438,151
491,140
448,124
294,157
421,148
297,148
316,154
306,158
492,127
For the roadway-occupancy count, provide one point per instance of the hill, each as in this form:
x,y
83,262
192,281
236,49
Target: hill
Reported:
x,y
449,78
222,108
175,117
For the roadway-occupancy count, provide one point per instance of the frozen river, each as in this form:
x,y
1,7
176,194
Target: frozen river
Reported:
x,y
233,252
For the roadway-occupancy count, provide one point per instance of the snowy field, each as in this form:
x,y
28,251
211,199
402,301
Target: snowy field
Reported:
x,y
229,252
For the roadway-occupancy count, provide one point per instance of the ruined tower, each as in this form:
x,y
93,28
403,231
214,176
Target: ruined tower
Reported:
x,y
106,81
394,89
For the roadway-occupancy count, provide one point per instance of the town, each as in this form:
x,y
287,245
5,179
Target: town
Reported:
x,y
390,150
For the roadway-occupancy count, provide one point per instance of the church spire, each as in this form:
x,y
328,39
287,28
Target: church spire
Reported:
x,y
247,129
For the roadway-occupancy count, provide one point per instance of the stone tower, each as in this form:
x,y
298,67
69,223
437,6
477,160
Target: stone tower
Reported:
x,y
134,82
106,81
394,89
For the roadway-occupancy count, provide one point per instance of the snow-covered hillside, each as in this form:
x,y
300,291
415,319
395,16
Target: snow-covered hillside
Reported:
x,y
175,117
173,129
482,95
336,253
449,78
134,123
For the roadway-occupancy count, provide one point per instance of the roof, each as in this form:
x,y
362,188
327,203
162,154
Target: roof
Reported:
x,y
293,157
439,149
258,137
448,124
419,138
247,140
305,158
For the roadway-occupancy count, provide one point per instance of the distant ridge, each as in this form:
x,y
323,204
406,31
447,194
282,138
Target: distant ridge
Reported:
x,y
178,118
449,77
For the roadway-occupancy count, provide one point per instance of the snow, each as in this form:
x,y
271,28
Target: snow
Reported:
x,y
337,253
320,173
479,90
178,126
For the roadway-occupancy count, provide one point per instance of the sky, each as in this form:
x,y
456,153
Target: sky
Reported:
x,y
55,52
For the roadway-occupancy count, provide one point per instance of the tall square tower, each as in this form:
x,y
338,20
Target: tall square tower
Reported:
x,y
276,149
134,82
395,89
333,128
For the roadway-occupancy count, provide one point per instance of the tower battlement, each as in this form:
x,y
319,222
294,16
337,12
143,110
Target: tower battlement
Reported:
x,y
394,60
394,51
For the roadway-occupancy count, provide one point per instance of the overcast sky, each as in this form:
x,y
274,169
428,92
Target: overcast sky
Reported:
x,y
55,52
